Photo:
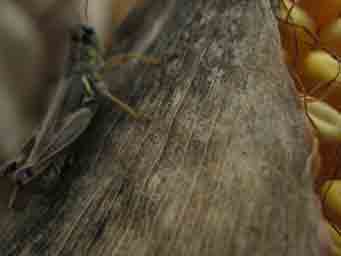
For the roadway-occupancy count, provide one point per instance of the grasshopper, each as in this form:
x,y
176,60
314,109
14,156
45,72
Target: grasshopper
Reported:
x,y
77,98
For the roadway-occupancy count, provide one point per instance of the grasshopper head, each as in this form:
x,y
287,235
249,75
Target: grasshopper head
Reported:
x,y
84,47
84,34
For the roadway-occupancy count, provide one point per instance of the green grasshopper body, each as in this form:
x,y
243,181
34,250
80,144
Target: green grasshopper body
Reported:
x,y
76,102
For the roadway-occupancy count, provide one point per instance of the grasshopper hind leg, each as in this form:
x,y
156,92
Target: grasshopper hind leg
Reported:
x,y
102,88
22,194
119,60
19,197
13,197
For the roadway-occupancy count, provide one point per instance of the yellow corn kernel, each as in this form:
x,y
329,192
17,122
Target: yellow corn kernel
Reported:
x,y
330,36
326,120
323,11
296,15
321,66
297,29
331,201
334,233
331,32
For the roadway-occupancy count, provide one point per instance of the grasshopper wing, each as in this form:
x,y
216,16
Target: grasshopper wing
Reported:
x,y
73,126
11,164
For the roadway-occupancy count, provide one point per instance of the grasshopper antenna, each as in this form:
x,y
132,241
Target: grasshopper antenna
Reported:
x,y
86,11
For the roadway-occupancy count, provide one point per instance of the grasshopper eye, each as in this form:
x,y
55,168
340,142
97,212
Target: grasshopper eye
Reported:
x,y
87,35
89,31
